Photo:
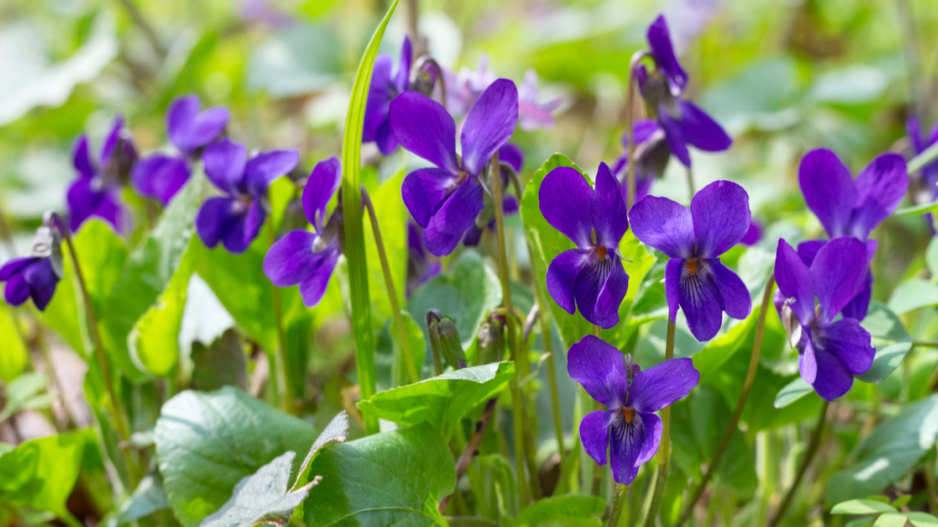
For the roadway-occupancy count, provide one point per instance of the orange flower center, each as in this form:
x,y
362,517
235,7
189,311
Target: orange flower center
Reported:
x,y
628,413
602,252
692,266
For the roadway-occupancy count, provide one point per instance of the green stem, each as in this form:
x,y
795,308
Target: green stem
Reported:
x,y
740,404
924,344
7,235
630,128
392,292
664,451
145,27
813,445
926,157
690,183
618,505
281,364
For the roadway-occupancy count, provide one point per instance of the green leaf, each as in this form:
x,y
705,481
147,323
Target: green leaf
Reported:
x,y
912,295
207,442
147,274
466,294
917,210
266,496
563,511
148,497
443,400
920,519
392,218
40,473
354,234
414,462
28,391
884,456
15,356
221,364
399,369
862,507
792,391
890,519
891,340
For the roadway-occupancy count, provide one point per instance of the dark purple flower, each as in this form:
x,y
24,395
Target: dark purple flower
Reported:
x,y
659,41
651,153
510,156
446,199
235,218
830,352
753,235
694,277
35,276
189,129
590,277
307,258
848,207
96,192
629,430
385,86
420,266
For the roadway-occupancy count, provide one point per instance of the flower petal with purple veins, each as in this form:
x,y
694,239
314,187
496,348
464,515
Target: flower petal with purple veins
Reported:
x,y
377,106
16,291
721,217
610,214
424,191
833,379
828,190
182,112
880,187
859,305
664,225
14,266
565,201
86,200
654,388
627,443
112,140
672,284
264,168
385,139
700,130
42,281
214,218
850,343
674,136
737,303
600,368
244,229
322,184
561,277
291,259
224,163
454,217
423,127
594,433
838,272
81,158
807,362
160,176
659,40
794,281
314,286
206,126
589,284
489,124
700,300
653,429
611,294
402,79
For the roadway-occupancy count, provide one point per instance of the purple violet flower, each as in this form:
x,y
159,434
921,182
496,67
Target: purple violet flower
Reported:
x,y
652,155
683,122
161,175
590,277
307,258
830,352
753,234
420,266
446,199
848,207
97,190
694,277
235,218
921,142
35,276
511,155
385,87
532,114
629,430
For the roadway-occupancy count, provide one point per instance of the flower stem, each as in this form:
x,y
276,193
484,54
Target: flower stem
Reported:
x,y
148,32
630,126
813,445
282,365
926,157
664,451
924,344
7,235
392,292
690,183
618,505
740,404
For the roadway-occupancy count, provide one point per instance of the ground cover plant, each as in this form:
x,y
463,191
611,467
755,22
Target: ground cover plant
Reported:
x,y
469,264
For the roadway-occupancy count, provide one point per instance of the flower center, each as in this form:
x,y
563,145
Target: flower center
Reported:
x,y
691,264
602,252
628,413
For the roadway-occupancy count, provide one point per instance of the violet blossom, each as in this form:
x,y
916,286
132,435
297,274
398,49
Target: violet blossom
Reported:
x,y
848,207
510,157
235,218
591,277
629,430
161,175
446,199
830,352
35,276
385,86
97,190
651,154
695,279
306,258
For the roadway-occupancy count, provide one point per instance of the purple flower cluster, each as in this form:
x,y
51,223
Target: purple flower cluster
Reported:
x,y
97,190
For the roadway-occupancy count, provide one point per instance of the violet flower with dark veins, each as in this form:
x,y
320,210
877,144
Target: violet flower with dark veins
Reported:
x,y
235,218
830,352
446,199
385,87
37,275
683,122
629,430
161,175
848,207
307,258
97,190
695,279
591,277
